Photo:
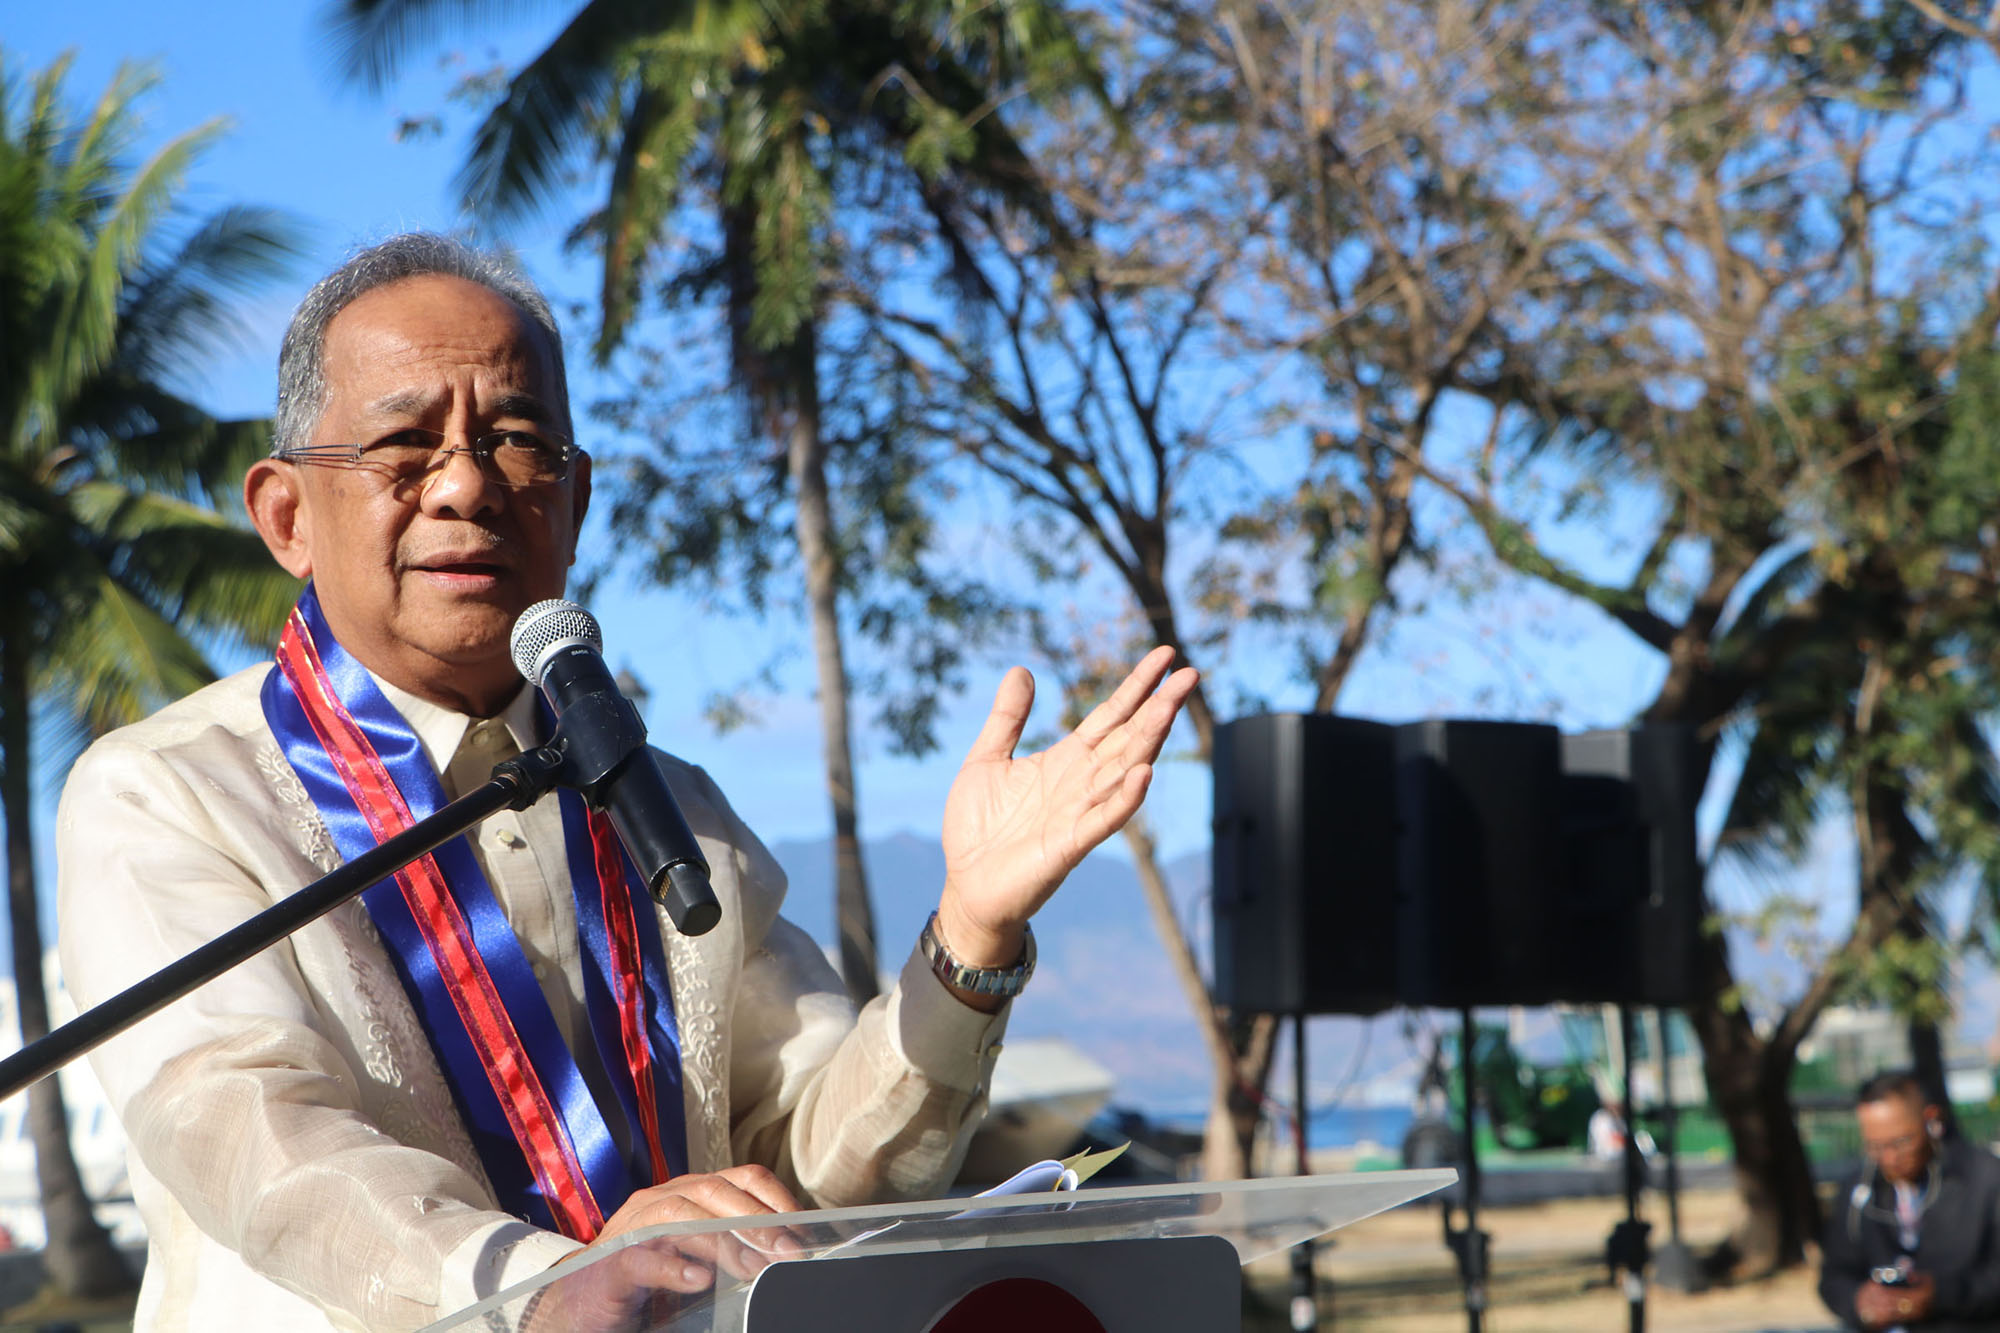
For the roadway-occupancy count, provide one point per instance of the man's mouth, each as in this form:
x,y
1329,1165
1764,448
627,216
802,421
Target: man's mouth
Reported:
x,y
469,567
464,567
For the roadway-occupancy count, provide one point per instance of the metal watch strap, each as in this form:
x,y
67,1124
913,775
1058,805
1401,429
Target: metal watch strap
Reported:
x,y
1004,981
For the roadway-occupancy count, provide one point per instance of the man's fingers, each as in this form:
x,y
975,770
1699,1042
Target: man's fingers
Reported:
x,y
1138,739
728,1194
618,1285
708,1195
665,1265
1133,691
685,1260
737,1191
1002,732
1120,802
760,1183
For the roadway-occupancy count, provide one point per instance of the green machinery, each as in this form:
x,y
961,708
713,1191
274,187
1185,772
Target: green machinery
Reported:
x,y
1528,1106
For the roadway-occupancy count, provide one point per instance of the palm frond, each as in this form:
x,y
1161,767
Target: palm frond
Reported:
x,y
191,563
120,660
1789,578
372,38
177,309
118,245
553,107
109,558
644,185
149,435
1779,795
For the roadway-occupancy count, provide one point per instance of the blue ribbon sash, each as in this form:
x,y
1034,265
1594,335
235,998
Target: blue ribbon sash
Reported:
x,y
546,1144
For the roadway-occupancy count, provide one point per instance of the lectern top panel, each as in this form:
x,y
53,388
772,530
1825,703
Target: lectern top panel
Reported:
x,y
1256,1217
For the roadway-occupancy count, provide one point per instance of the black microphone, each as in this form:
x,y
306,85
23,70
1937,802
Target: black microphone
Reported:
x,y
558,646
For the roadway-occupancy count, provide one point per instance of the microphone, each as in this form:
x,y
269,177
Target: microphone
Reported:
x,y
557,645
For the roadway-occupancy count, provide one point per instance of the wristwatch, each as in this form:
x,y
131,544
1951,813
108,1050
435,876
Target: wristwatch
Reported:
x,y
1004,981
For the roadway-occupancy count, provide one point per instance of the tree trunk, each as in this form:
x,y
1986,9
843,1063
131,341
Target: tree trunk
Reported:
x,y
1237,1107
1750,1084
1890,848
1773,1172
1916,925
1927,1063
1239,1054
80,1259
806,461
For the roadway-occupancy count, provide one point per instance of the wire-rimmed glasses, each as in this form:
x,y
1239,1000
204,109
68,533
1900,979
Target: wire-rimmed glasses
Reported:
x,y
512,458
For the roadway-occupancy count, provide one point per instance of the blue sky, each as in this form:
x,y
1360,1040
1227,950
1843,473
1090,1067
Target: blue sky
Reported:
x,y
303,140
329,153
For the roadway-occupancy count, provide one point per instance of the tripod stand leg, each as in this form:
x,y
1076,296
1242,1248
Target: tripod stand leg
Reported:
x,y
1305,1302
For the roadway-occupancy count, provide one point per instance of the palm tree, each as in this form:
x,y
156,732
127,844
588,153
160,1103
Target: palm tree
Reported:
x,y
113,557
771,111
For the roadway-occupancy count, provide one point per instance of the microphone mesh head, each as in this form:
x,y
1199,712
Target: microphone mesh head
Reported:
x,y
547,626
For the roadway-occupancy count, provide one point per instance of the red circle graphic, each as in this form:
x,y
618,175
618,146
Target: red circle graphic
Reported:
x,y
1016,1303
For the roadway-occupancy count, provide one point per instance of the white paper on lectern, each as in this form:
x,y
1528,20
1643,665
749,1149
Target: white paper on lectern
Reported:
x,y
1044,1177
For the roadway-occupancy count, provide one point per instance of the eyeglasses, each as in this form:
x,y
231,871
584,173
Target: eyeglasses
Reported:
x,y
1901,1143
512,458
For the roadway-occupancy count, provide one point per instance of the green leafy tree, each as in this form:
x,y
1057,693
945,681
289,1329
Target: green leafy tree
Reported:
x,y
1564,260
733,134
115,565
1766,317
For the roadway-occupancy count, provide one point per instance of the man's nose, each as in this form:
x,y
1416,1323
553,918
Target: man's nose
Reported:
x,y
458,485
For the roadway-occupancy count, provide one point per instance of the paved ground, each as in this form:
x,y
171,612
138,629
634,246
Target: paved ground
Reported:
x,y
1392,1274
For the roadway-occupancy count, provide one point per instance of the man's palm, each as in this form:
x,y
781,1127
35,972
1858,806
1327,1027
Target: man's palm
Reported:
x,y
1013,827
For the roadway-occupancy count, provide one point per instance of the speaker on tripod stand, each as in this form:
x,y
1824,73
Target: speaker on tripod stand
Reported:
x,y
1304,870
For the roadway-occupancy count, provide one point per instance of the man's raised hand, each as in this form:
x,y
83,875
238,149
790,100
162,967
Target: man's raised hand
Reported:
x,y
1014,826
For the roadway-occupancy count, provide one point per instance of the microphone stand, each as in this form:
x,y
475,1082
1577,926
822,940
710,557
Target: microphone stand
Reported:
x,y
516,784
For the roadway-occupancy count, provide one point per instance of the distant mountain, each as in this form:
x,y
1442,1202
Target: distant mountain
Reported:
x,y
1103,980
1104,983
906,870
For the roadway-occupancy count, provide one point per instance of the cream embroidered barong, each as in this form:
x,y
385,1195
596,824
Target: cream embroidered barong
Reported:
x,y
296,1155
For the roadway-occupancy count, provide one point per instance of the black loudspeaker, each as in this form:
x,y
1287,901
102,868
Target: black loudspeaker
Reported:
x,y
1632,933
1482,864
1304,884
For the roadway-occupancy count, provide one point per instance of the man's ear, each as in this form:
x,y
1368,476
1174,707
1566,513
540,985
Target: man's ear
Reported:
x,y
271,493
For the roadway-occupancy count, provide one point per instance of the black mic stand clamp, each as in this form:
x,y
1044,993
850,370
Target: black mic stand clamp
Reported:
x,y
1627,1248
1472,1247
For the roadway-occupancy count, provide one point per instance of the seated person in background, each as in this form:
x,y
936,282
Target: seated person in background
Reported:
x,y
1607,1134
1915,1241
504,1054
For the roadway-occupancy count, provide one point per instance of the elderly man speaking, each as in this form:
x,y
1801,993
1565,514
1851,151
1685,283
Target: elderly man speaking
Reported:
x,y
506,1053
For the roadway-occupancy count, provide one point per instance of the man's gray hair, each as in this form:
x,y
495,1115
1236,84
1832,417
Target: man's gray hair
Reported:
x,y
302,390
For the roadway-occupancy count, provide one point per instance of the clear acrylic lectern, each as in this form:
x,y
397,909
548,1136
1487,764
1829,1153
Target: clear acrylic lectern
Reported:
x,y
1131,1259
